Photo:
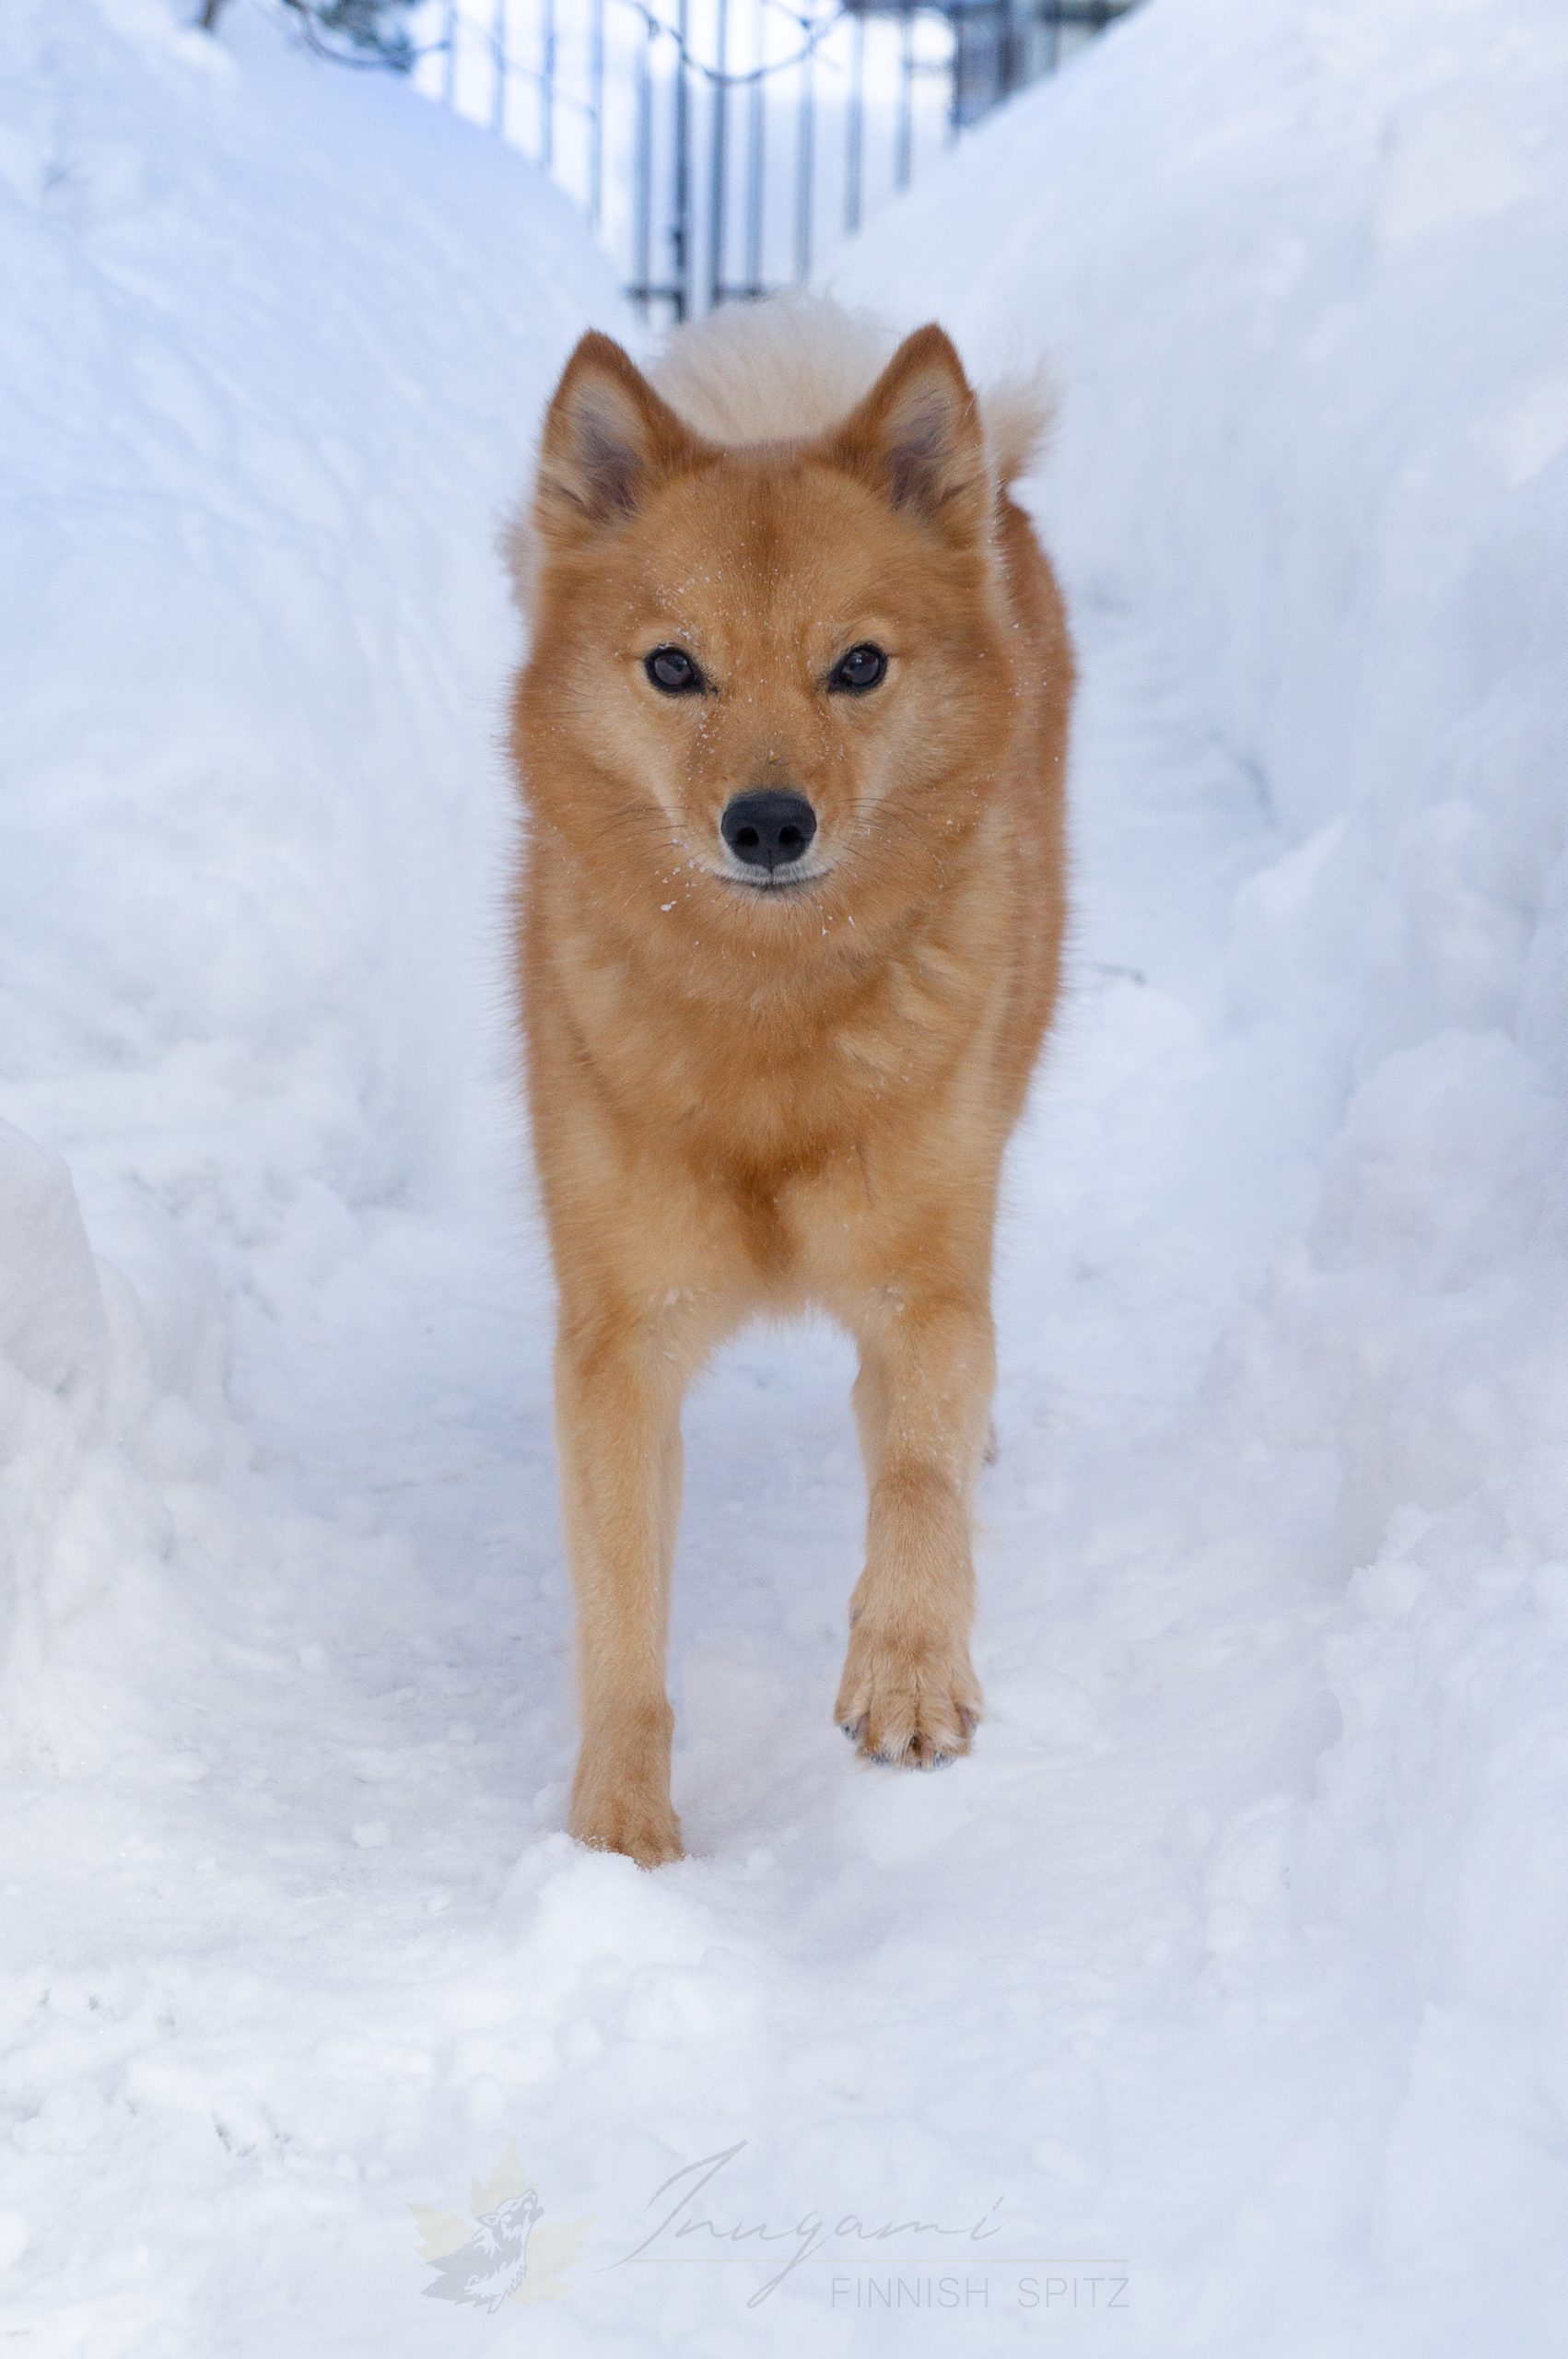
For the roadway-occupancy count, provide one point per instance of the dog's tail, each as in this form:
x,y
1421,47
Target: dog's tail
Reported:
x,y
795,365
1019,414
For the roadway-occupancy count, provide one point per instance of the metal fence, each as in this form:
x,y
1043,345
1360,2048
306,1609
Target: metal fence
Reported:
x,y
724,147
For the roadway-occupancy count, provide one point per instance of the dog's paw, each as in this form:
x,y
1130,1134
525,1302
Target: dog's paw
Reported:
x,y
631,1820
916,1706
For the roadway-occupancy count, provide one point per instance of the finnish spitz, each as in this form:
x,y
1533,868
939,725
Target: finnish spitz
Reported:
x,y
792,738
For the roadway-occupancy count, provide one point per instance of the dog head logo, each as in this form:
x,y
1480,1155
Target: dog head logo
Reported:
x,y
767,676
506,2251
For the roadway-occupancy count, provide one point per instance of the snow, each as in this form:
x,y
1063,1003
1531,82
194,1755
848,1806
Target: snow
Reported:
x,y
1232,1965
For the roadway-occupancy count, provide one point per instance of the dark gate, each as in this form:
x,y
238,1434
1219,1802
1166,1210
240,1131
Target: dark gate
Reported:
x,y
724,147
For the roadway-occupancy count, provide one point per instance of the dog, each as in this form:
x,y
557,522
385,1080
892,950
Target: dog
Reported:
x,y
792,738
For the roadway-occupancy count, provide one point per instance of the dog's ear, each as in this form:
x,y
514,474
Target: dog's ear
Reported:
x,y
608,436
917,436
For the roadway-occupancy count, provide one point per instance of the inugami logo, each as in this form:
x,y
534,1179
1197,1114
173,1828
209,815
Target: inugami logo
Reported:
x,y
504,2253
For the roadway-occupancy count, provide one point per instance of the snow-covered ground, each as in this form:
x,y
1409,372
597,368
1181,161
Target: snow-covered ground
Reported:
x,y
1223,1989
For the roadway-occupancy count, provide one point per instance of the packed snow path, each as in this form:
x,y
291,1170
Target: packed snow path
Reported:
x,y
335,1954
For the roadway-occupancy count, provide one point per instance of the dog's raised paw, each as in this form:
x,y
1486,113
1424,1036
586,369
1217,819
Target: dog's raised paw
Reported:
x,y
908,1707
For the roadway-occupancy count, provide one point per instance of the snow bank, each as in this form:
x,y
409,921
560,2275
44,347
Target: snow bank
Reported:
x,y
275,342
1302,274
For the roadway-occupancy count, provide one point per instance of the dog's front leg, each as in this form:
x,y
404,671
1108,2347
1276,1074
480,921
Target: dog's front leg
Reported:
x,y
922,1401
618,1413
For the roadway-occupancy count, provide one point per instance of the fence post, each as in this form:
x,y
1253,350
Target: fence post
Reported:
x,y
756,152
906,152
715,161
806,169
596,119
498,62
547,85
681,227
643,237
854,162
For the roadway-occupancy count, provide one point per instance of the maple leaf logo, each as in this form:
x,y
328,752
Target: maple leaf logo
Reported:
x,y
505,2251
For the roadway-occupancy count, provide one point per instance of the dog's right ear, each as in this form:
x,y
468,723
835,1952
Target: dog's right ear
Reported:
x,y
608,436
917,437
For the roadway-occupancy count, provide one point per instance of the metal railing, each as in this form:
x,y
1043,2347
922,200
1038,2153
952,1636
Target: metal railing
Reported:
x,y
722,148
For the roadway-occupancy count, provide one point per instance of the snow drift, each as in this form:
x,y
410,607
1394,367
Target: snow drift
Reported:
x,y
1236,1956
274,347
1303,271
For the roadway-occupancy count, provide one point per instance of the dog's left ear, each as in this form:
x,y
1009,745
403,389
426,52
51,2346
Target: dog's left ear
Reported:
x,y
917,436
608,436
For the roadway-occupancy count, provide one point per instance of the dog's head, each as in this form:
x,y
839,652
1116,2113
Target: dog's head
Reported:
x,y
767,681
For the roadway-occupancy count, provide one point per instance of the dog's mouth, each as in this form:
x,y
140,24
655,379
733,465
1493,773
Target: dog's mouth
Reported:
x,y
784,884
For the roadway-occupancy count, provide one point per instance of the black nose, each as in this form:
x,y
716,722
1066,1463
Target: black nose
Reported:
x,y
768,829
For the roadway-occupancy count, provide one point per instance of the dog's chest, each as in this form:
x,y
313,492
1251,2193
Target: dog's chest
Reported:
x,y
816,1182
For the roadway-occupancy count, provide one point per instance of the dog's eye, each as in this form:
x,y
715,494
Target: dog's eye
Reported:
x,y
672,669
860,670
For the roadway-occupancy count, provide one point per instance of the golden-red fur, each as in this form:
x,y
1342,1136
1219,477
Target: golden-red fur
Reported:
x,y
748,1101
